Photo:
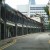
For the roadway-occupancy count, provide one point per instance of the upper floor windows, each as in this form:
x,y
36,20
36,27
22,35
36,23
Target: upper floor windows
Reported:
x,y
36,8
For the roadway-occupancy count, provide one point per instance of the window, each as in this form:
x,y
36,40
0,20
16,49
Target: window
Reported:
x,y
31,15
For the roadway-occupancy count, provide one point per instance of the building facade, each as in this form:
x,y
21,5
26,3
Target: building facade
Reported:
x,y
38,9
14,23
32,9
31,2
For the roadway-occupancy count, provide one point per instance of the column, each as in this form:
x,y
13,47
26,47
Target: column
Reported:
x,y
27,29
0,18
30,29
5,30
8,32
16,28
0,31
22,30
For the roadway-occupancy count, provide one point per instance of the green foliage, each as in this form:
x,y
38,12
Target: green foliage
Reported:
x,y
49,25
46,10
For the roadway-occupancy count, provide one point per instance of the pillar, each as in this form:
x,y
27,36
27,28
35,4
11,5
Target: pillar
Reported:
x,y
5,30
27,30
22,30
0,23
0,31
16,28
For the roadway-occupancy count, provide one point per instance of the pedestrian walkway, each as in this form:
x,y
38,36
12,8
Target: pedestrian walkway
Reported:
x,y
6,43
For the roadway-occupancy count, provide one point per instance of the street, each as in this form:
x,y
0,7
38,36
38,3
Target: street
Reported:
x,y
37,41
25,25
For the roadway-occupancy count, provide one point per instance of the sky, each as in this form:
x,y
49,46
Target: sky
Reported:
x,y
14,3
42,1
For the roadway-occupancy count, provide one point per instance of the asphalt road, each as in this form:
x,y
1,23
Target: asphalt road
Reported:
x,y
37,41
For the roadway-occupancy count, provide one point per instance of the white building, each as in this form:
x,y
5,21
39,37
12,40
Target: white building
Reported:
x,y
32,2
32,9
38,9
23,9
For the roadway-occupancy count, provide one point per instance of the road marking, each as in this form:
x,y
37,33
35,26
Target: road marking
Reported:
x,y
9,44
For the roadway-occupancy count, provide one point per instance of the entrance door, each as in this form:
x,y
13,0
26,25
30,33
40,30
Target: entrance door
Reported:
x,y
11,32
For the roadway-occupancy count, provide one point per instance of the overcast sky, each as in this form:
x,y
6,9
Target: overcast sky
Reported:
x,y
14,3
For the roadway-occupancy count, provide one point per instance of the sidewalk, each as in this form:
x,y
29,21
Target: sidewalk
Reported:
x,y
6,41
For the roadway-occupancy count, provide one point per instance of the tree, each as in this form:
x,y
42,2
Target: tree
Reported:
x,y
46,10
